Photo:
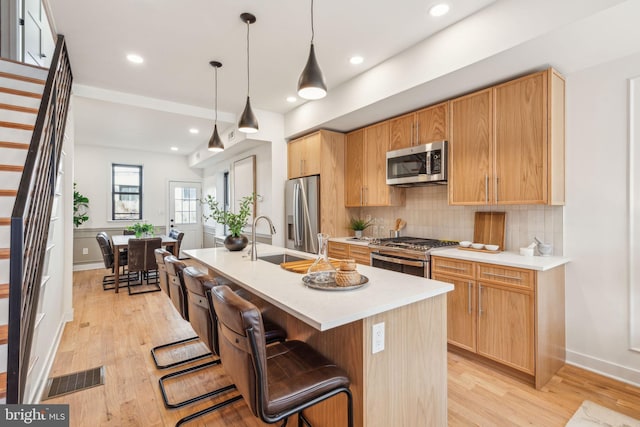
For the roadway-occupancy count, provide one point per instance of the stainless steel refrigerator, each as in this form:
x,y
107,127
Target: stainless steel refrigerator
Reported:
x,y
302,204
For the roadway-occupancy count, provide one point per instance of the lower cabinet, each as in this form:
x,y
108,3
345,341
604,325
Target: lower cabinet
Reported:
x,y
510,315
360,253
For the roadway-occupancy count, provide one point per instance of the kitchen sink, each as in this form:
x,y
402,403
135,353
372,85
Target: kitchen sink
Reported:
x,y
280,258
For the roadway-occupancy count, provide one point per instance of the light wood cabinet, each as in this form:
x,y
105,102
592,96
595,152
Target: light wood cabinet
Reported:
x,y
510,315
322,153
420,127
365,169
359,253
507,143
304,156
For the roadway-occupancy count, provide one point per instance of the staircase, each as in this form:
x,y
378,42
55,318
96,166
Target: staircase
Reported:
x,y
21,88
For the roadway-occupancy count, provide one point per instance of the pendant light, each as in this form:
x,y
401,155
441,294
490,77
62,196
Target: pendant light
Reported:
x,y
215,143
248,122
311,84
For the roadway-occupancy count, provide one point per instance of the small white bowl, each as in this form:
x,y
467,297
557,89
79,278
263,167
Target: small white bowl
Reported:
x,y
492,247
465,243
477,245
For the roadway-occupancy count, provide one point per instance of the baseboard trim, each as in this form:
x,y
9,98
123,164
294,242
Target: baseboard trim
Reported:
x,y
603,367
90,266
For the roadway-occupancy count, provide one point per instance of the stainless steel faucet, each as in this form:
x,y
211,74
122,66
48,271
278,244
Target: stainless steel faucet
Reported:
x,y
254,251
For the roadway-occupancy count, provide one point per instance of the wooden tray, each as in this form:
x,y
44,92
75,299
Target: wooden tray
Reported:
x,y
479,250
489,229
302,266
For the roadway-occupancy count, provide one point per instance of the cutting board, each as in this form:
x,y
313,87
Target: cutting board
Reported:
x,y
489,228
302,266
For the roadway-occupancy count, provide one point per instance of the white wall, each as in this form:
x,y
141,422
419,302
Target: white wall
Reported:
x,y
271,173
596,219
93,177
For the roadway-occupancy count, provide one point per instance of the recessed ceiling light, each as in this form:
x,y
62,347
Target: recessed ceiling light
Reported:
x,y
355,60
136,59
174,148
439,9
291,99
194,130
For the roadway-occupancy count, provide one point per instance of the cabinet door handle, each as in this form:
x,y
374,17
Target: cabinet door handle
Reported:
x,y
418,133
366,193
469,296
503,276
486,189
497,180
479,300
411,135
361,196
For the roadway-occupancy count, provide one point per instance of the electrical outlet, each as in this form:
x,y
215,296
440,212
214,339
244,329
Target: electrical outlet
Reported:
x,y
85,251
377,343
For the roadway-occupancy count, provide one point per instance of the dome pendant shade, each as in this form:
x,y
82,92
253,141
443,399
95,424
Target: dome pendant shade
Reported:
x,y
248,121
311,84
215,143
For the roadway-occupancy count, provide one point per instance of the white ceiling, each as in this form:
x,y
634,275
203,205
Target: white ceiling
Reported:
x,y
178,39
411,58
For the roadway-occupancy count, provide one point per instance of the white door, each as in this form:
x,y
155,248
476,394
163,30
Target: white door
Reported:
x,y
38,41
185,212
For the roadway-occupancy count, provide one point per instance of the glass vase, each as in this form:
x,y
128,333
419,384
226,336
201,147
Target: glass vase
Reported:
x,y
322,271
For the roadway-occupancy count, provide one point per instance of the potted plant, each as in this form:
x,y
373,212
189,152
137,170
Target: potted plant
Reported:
x,y
80,207
235,241
142,229
359,225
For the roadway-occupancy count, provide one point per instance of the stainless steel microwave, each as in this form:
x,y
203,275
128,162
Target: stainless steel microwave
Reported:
x,y
419,165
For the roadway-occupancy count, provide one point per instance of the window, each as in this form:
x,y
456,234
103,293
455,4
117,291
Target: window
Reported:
x,y
186,205
126,192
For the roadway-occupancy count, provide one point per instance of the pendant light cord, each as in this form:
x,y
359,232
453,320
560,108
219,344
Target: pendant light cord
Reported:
x,y
312,30
248,59
216,99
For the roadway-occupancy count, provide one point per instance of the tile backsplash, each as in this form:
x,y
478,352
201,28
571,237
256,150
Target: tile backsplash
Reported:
x,y
428,215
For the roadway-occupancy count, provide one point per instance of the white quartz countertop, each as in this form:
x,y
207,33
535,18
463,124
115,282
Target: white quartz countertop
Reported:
x,y
510,259
385,291
351,240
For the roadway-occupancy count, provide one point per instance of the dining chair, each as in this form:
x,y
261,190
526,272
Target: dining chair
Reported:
x,y
142,260
108,280
276,381
174,248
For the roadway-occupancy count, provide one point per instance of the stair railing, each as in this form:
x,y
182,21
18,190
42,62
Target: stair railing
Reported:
x,y
31,217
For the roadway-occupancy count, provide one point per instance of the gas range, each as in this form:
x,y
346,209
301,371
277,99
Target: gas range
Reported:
x,y
409,247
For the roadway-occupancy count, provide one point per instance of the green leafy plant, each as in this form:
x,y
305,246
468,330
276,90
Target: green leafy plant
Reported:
x,y
359,224
142,228
235,221
80,207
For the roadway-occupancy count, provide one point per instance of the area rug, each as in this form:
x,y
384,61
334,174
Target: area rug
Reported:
x,y
590,414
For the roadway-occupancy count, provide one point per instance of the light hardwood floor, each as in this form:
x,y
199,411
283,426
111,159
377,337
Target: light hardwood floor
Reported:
x,y
118,331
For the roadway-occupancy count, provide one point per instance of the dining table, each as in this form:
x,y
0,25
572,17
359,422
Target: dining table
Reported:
x,y
120,242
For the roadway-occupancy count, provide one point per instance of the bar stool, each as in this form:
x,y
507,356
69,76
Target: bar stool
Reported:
x,y
160,255
276,381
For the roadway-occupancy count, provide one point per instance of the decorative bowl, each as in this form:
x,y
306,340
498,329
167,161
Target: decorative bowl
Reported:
x,y
477,245
347,278
491,247
545,249
465,243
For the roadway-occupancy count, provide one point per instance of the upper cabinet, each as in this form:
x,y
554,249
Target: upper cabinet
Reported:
x,y
365,169
322,153
420,127
304,155
507,143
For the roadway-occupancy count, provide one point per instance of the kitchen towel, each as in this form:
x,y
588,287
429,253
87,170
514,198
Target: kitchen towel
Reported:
x,y
591,414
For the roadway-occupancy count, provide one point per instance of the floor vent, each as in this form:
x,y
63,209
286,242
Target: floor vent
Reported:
x,y
65,384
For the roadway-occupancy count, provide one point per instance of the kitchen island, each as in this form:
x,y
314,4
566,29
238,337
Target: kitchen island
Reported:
x,y
405,384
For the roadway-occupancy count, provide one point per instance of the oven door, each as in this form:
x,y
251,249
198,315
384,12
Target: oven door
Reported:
x,y
402,265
